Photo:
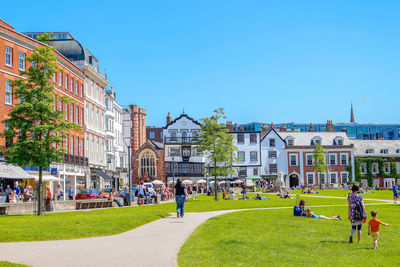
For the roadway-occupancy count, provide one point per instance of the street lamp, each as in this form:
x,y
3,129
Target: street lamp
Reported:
x,y
129,166
173,171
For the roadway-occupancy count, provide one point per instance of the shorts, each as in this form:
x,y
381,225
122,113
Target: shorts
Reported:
x,y
375,235
356,223
140,196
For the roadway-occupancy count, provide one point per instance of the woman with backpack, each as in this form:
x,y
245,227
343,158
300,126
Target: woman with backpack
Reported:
x,y
180,196
357,212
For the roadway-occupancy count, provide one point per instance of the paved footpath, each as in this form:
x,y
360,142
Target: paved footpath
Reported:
x,y
153,244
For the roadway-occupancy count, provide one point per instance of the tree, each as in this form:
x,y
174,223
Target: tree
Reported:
x,y
216,143
35,125
319,161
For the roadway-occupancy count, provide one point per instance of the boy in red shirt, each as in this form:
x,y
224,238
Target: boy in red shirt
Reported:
x,y
373,227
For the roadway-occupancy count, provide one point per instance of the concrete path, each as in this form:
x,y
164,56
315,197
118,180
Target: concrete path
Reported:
x,y
154,244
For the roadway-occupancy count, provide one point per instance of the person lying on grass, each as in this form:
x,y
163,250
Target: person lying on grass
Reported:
x,y
312,215
258,197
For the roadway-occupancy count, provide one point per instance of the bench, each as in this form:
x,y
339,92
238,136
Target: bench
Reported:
x,y
4,208
93,204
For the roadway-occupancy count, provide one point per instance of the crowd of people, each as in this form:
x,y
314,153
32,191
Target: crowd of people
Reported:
x,y
18,193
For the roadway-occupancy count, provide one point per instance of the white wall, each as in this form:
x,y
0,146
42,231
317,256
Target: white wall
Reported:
x,y
280,160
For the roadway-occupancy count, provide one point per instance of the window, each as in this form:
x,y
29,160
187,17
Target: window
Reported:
x,y
384,151
398,167
109,159
316,140
66,111
151,135
273,168
369,151
9,56
82,118
375,168
343,159
332,159
173,135
241,156
76,88
60,105
21,62
242,171
66,82
290,142
121,162
345,177
77,115
240,138
8,93
253,155
174,152
333,178
340,142
81,90
253,138
72,85
71,110
293,159
255,171
272,154
322,178
398,151
309,160
363,168
54,77
387,167
72,145
310,178
60,78
272,142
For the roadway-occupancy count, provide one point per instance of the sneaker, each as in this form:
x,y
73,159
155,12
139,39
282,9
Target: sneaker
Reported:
x,y
340,218
177,214
351,240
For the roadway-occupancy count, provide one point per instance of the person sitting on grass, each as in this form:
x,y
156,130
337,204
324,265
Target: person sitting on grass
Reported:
x,y
258,197
312,215
373,227
232,196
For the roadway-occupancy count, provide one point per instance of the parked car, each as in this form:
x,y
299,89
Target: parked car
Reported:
x,y
88,194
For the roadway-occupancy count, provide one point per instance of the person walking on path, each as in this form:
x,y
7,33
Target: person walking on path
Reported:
x,y
180,194
356,212
71,193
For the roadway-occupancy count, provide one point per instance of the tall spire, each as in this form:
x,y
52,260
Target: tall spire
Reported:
x,y
183,111
352,114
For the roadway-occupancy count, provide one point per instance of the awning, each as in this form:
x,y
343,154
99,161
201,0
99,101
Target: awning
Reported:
x,y
102,174
46,177
9,171
253,178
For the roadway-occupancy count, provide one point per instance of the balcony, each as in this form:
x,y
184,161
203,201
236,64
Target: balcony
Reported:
x,y
180,140
76,160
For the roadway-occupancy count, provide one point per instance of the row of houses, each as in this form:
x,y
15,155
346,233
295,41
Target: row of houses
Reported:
x,y
97,154
269,152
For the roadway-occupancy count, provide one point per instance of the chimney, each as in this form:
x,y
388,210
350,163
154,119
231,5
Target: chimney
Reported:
x,y
264,127
229,126
272,125
169,119
329,126
344,130
311,128
283,128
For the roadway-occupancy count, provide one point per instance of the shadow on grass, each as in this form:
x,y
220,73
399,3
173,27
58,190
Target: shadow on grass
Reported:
x,y
333,242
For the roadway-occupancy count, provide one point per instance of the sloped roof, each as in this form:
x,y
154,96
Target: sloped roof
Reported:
x,y
305,138
181,116
361,146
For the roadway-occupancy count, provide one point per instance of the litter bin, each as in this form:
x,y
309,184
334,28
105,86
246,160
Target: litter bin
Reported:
x,y
126,200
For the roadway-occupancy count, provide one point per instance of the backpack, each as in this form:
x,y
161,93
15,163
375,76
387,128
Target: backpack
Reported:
x,y
297,211
359,212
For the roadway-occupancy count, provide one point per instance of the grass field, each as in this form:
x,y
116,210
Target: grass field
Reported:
x,y
276,238
9,264
375,194
70,225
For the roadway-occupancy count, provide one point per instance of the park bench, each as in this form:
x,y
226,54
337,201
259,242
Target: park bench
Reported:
x,y
93,204
4,207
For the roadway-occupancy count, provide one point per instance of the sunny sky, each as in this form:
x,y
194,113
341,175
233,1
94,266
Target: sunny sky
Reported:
x,y
281,61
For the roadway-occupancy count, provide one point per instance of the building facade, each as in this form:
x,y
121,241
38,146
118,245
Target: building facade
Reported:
x,y
148,163
273,156
155,134
182,160
248,153
15,48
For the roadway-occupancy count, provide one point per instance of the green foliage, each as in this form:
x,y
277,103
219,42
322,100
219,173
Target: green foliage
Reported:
x,y
35,125
393,169
217,145
319,160
369,161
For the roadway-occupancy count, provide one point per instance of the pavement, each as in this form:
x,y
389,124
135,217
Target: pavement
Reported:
x,y
153,244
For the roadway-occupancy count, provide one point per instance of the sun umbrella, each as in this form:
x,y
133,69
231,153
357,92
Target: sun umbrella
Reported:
x,y
157,182
187,182
202,181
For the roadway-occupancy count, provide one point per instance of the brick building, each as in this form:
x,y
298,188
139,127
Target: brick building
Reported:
x,y
15,48
138,127
155,134
148,163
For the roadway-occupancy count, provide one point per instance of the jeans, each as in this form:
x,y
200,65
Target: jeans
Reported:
x,y
180,204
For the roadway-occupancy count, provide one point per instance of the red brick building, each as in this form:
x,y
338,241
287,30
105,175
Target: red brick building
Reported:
x,y
148,163
138,127
155,134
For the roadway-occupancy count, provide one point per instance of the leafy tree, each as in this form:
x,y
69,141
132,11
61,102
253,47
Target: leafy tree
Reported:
x,y
319,161
35,125
216,143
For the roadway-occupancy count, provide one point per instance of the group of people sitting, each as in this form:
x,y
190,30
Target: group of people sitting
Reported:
x,y
300,210
16,195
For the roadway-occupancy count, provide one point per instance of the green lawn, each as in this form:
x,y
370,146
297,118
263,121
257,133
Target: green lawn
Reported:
x,y
276,238
375,194
70,225
9,264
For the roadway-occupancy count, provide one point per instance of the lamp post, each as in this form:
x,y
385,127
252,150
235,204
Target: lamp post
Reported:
x,y
173,171
129,174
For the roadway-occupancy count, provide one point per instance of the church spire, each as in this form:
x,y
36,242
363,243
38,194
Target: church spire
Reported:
x,y
352,114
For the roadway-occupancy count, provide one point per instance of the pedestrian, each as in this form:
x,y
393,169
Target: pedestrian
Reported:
x,y
395,193
71,193
373,227
356,212
49,198
17,189
180,194
59,192
8,193
141,194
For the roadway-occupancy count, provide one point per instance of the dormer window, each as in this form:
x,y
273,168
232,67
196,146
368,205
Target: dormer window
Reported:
x,y
290,141
384,151
369,151
316,140
338,141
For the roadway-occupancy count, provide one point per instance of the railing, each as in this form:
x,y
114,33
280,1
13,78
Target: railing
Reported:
x,y
73,159
180,140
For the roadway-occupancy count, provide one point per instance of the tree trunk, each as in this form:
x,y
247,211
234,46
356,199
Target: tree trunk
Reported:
x,y
39,210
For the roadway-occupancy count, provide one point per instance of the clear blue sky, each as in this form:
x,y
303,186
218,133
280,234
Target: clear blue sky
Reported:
x,y
280,61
